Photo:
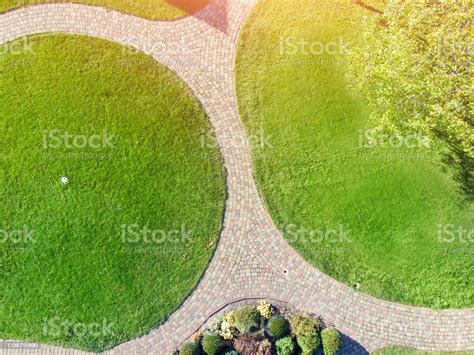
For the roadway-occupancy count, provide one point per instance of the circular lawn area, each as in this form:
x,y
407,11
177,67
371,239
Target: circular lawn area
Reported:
x,y
386,219
111,209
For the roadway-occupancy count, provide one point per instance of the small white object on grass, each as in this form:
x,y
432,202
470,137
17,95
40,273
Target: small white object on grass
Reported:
x,y
64,180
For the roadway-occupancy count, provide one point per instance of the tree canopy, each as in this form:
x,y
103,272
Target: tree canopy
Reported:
x,y
415,67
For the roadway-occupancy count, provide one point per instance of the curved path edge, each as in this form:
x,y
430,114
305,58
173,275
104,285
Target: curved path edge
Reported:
x,y
252,260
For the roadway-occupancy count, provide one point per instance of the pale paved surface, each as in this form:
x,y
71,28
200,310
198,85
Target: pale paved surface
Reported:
x,y
252,259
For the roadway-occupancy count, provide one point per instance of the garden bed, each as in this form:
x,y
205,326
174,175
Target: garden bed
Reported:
x,y
263,329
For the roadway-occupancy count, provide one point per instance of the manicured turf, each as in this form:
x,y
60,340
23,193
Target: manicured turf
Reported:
x,y
153,9
313,173
154,173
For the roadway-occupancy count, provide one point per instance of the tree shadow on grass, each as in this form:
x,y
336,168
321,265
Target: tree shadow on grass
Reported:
x,y
462,166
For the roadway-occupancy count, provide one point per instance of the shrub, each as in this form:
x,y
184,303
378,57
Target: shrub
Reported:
x,y
331,340
247,319
302,325
214,326
308,343
278,327
197,337
212,344
417,78
230,318
226,331
285,346
265,309
231,352
190,348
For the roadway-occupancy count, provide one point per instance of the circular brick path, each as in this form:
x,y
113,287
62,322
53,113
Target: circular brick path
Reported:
x,y
252,259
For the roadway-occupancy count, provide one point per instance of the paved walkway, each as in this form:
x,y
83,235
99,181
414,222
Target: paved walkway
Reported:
x,y
252,259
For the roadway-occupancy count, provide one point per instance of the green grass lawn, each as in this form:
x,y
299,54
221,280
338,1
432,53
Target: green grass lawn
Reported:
x,y
79,266
315,177
153,9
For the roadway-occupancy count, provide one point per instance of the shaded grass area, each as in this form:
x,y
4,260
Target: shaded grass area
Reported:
x,y
84,265
152,9
317,177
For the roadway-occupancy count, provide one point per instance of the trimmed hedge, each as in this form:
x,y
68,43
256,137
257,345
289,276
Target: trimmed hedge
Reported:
x,y
285,346
331,340
190,348
278,327
212,344
247,319
309,344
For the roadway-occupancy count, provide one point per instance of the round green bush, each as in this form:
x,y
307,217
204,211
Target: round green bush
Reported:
x,y
278,327
331,341
190,348
285,346
212,344
247,319
309,344
231,352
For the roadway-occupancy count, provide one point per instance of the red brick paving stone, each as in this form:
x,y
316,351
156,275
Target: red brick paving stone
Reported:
x,y
252,259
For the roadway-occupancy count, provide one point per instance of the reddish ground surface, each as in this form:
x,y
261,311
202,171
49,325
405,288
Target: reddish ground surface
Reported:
x,y
191,7
214,12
